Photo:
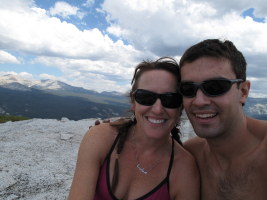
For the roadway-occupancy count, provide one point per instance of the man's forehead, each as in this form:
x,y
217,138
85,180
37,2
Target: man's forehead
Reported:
x,y
207,68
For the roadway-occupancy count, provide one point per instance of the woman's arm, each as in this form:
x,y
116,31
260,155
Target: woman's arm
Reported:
x,y
92,152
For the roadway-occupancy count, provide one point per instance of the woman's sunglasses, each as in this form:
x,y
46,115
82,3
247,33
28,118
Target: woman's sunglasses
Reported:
x,y
148,98
211,88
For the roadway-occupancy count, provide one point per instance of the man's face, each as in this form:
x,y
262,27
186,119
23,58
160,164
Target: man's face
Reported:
x,y
212,116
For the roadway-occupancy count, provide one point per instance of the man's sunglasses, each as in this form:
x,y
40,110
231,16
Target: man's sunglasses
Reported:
x,y
148,98
211,88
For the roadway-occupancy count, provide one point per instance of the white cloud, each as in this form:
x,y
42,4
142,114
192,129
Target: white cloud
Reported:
x,y
89,3
92,74
88,80
228,5
116,30
24,75
63,9
8,72
177,23
34,32
98,82
16,5
49,76
6,57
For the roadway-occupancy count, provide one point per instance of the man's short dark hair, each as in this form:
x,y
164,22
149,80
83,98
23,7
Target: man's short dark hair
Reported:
x,y
217,49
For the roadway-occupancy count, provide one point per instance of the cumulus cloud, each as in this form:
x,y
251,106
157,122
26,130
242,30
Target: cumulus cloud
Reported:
x,y
89,3
17,5
92,74
52,77
7,73
174,25
227,5
63,9
6,57
36,33
25,75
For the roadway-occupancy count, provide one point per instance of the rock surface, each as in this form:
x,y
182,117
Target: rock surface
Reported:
x,y
38,157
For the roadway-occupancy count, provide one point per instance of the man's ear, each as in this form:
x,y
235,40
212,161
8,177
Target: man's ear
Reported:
x,y
244,88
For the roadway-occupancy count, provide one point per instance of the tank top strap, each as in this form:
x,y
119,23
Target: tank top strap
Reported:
x,y
113,146
171,159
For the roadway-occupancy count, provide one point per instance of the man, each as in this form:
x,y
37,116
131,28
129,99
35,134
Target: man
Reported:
x,y
231,148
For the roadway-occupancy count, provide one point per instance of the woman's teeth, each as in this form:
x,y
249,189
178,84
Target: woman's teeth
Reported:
x,y
156,121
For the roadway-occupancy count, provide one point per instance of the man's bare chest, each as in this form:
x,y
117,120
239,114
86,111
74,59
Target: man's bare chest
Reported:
x,y
240,182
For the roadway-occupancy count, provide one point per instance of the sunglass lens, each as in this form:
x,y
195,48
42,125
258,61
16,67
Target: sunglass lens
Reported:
x,y
172,100
145,98
216,87
188,89
168,100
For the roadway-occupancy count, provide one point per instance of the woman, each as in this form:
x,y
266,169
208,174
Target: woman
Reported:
x,y
138,158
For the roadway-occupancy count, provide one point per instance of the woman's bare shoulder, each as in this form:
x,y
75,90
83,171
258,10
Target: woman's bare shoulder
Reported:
x,y
103,132
99,139
184,175
183,156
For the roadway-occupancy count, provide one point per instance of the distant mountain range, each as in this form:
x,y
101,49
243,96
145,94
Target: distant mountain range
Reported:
x,y
55,99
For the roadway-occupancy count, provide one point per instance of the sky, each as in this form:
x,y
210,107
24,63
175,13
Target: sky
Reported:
x,y
96,44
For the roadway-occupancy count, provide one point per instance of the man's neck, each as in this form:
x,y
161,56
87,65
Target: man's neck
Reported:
x,y
232,144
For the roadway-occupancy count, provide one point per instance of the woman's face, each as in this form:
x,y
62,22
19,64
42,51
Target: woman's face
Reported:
x,y
156,121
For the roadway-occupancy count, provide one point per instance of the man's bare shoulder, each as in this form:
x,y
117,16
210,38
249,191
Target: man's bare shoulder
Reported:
x,y
195,144
257,127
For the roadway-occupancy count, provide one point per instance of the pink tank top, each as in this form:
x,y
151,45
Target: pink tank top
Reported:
x,y
103,189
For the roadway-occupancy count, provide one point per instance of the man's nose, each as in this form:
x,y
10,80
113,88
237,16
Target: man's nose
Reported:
x,y
201,98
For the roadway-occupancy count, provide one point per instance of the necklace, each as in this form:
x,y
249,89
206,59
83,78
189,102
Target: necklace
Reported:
x,y
138,165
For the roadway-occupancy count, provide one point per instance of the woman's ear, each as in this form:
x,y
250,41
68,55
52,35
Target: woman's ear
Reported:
x,y
132,104
244,88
